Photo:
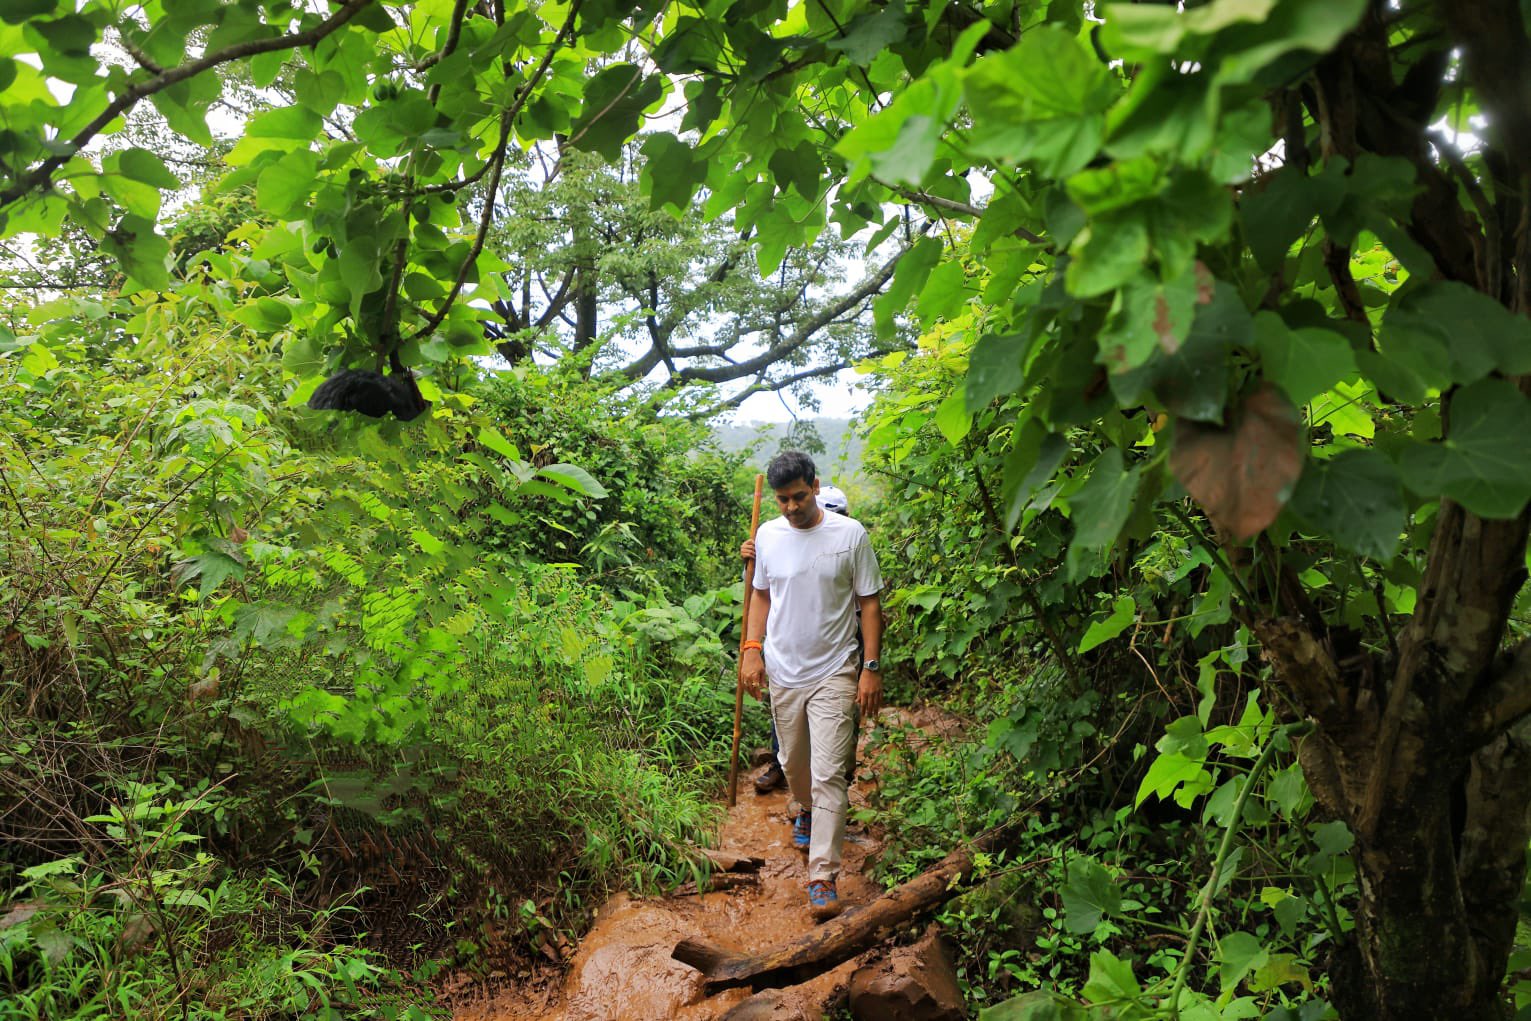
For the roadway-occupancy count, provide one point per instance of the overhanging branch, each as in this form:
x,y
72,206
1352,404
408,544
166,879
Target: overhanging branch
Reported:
x,y
953,206
42,175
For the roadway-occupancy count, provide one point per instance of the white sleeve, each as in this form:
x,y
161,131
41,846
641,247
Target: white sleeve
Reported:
x,y
762,578
865,575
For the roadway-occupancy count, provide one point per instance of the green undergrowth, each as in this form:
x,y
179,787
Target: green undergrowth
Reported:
x,y
1162,857
298,711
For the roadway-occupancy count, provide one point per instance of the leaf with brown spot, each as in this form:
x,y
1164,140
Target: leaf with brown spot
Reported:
x,y
1242,473
20,913
1206,284
1164,328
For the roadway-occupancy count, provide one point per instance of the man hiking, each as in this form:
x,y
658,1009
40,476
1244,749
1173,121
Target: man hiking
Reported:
x,y
832,499
811,570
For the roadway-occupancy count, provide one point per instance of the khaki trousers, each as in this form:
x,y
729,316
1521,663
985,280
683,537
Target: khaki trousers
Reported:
x,y
816,727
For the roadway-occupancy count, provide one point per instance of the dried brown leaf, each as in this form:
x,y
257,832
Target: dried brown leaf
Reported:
x,y
1243,472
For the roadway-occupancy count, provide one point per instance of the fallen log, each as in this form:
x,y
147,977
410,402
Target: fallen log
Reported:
x,y
716,882
839,939
728,861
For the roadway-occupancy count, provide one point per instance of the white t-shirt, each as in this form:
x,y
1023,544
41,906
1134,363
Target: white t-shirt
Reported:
x,y
814,576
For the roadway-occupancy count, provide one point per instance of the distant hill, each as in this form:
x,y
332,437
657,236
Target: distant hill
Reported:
x,y
837,451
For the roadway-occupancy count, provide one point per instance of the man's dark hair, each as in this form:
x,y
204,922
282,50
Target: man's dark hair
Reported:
x,y
789,466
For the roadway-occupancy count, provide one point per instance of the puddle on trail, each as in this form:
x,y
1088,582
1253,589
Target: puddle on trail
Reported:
x,y
623,971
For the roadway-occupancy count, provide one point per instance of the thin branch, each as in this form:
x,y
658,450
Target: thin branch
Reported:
x,y
152,517
497,161
42,175
144,60
1490,278
401,247
953,206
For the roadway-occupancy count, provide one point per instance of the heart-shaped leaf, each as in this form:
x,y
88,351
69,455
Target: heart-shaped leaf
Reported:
x,y
1243,473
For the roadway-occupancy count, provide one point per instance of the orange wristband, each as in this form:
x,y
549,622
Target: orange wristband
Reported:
x,y
752,644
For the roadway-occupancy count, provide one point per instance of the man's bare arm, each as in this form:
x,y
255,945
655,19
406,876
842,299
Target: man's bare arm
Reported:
x,y
752,663
871,625
869,688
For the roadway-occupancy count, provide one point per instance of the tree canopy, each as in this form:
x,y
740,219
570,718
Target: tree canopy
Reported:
x,y
1270,255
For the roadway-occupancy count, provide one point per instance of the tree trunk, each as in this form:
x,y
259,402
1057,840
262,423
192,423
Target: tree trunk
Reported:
x,y
586,307
1426,760
1440,884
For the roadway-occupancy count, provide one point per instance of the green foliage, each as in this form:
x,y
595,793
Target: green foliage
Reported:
x,y
1069,739
347,672
1236,334
668,515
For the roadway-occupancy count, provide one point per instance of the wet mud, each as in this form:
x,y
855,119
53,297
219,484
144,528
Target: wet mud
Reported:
x,y
622,970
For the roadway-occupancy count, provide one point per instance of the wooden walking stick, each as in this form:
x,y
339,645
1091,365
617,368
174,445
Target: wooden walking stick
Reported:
x,y
744,633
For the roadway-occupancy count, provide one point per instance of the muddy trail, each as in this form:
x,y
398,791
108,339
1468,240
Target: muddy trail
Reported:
x,y
622,970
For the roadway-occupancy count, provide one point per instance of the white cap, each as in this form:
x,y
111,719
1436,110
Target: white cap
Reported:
x,y
832,499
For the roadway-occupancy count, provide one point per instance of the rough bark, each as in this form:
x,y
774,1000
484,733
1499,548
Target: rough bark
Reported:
x,y
1439,809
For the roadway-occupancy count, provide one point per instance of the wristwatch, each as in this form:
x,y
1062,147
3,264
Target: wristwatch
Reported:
x,y
873,665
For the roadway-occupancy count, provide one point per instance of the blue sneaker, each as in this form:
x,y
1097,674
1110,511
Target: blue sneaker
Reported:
x,y
823,899
802,829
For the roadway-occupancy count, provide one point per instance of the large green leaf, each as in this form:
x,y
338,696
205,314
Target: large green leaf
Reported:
x,y
871,33
497,442
953,418
69,36
1303,362
15,12
1167,111
1123,613
212,569
143,165
1111,979
671,172
1412,361
284,187
142,251
1482,462
1117,185
1033,459
1277,213
1038,1005
908,278
1243,50
615,100
1139,31
1099,510
1151,316
1089,895
1191,380
1479,334
1356,499
898,144
297,123
1042,101
994,367
574,478
135,196
1108,253
1192,209
1238,954
944,294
